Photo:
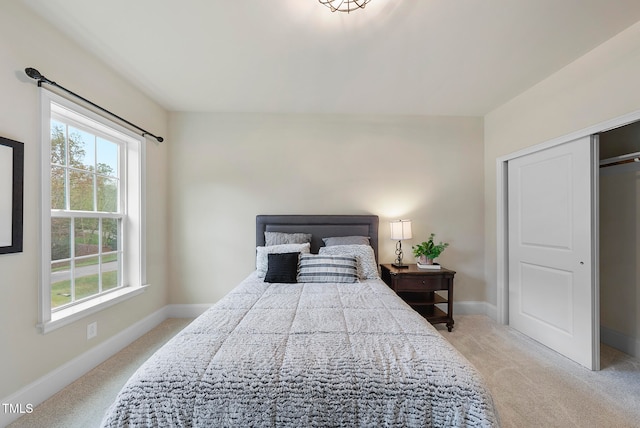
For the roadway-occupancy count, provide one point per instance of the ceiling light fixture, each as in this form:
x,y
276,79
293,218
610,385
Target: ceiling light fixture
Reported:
x,y
344,5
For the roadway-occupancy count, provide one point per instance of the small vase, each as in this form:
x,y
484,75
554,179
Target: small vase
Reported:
x,y
424,260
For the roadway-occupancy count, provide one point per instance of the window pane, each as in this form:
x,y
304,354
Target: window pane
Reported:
x,y
58,188
111,258
107,158
60,238
87,277
86,236
82,150
58,146
110,265
110,234
107,194
60,284
81,190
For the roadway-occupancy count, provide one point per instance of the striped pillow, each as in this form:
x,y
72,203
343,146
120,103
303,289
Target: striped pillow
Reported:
x,y
323,268
364,254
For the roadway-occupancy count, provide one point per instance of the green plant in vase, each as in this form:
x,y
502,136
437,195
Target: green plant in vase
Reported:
x,y
428,250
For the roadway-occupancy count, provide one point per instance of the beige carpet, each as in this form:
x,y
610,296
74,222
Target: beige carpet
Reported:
x,y
532,386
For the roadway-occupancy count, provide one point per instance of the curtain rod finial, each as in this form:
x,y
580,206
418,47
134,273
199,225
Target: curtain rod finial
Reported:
x,y
158,139
35,74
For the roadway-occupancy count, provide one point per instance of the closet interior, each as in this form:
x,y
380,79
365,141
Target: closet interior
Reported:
x,y
619,204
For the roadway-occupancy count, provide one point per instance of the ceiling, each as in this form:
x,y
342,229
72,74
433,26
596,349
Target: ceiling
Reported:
x,y
416,57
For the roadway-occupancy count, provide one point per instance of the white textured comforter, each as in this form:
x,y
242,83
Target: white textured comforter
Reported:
x,y
305,355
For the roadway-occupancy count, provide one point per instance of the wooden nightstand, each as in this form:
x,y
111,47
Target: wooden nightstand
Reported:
x,y
418,288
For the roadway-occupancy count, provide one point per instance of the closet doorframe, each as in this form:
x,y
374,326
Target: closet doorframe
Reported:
x,y
502,231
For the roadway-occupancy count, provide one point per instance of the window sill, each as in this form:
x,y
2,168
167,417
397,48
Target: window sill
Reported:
x,y
74,313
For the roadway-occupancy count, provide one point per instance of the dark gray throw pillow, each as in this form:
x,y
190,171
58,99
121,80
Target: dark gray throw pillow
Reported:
x,y
346,240
279,238
282,267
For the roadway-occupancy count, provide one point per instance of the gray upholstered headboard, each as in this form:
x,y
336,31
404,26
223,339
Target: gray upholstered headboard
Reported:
x,y
319,226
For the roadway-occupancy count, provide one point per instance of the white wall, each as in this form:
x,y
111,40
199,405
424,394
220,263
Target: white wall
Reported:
x,y
601,85
27,41
227,168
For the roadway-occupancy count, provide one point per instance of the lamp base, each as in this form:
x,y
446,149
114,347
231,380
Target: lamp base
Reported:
x,y
398,262
399,266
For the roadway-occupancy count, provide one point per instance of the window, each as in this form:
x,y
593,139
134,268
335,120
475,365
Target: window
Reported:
x,y
92,229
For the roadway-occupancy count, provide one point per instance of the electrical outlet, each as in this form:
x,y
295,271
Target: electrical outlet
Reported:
x,y
92,330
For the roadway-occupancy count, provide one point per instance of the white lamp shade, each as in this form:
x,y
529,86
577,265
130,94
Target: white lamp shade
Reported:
x,y
400,230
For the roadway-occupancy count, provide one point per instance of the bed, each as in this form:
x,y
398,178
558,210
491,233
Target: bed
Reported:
x,y
307,353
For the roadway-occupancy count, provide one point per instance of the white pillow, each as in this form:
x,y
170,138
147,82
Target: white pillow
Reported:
x,y
367,266
262,255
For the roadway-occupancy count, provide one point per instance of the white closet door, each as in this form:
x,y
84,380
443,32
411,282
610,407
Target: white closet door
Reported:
x,y
552,281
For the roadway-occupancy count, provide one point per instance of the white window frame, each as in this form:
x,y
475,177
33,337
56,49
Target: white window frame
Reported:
x,y
133,240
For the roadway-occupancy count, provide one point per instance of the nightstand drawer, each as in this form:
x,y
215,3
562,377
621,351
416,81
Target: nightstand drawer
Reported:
x,y
409,283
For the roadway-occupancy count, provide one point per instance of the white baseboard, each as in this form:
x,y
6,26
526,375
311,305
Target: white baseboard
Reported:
x,y
615,339
49,384
186,311
475,308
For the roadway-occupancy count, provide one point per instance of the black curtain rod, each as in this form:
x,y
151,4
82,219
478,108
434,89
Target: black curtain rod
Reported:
x,y
35,74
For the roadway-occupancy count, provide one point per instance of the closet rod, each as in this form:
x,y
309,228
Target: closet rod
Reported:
x,y
35,74
620,160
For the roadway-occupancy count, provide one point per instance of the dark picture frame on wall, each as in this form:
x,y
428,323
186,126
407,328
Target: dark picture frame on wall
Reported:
x,y
11,195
